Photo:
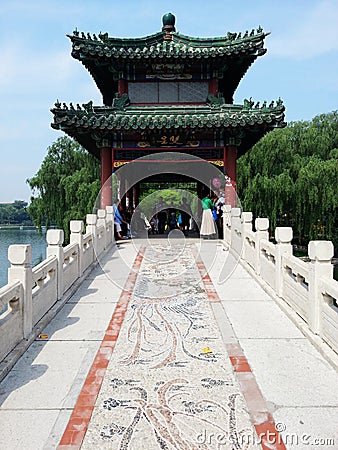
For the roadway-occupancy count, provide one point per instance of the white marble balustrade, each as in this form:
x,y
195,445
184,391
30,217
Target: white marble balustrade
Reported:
x,y
31,293
307,286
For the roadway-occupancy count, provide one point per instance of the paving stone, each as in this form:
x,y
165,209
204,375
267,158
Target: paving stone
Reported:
x,y
236,289
19,429
83,321
103,291
258,319
291,372
44,376
308,428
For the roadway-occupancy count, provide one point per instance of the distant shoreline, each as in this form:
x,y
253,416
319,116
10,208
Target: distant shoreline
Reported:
x,y
17,227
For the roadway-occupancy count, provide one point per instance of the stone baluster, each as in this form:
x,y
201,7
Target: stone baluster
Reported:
x,y
227,223
20,257
262,232
55,240
246,221
320,254
91,220
76,237
283,236
101,220
246,227
236,230
110,220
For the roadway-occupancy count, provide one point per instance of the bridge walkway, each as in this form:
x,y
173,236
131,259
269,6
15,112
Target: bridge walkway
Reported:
x,y
170,346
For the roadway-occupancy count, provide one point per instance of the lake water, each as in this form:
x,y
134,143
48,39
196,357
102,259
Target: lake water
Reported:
x,y
17,236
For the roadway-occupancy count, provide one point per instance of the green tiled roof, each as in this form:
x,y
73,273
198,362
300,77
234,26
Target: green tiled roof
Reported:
x,y
110,59
90,119
154,46
162,117
115,62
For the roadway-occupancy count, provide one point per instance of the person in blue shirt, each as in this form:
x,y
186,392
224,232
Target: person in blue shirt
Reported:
x,y
118,220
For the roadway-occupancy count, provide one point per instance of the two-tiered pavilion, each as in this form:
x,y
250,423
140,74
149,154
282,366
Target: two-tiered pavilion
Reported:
x,y
167,92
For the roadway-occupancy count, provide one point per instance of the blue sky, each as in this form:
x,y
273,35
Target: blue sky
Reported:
x,y
36,68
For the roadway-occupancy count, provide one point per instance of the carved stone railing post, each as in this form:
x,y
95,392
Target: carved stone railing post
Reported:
x,y
320,254
283,236
101,221
76,237
20,257
110,220
55,240
236,231
227,223
246,221
246,227
91,220
262,232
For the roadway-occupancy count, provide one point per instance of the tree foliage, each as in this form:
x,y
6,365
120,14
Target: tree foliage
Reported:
x,y
14,213
65,187
151,197
173,193
291,176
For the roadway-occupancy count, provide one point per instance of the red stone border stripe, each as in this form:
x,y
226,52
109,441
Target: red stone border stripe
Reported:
x,y
261,418
79,420
208,284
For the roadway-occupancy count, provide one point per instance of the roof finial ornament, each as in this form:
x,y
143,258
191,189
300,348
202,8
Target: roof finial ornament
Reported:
x,y
168,21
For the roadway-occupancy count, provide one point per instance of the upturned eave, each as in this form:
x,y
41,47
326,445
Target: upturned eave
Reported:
x,y
108,59
84,123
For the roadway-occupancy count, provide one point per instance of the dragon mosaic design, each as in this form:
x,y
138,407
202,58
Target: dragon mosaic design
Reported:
x,y
169,384
164,416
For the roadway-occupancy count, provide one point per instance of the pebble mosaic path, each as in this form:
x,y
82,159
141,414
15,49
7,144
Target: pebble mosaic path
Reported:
x,y
163,377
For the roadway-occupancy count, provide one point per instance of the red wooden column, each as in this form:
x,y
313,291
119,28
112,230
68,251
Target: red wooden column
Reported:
x,y
231,160
106,171
136,194
130,197
225,161
123,87
213,86
201,189
123,198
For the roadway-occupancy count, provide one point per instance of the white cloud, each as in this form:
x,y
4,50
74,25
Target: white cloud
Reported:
x,y
316,35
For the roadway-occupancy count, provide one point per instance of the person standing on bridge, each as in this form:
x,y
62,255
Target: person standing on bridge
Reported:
x,y
208,229
219,204
118,220
161,210
186,214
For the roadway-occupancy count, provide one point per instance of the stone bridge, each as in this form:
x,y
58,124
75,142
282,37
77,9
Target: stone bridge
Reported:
x,y
170,343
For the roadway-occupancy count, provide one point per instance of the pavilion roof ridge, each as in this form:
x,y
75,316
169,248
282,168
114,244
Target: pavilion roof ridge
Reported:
x,y
169,49
248,107
76,124
231,38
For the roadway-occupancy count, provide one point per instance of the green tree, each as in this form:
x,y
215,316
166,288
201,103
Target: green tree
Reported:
x,y
149,199
7,213
65,187
21,214
291,176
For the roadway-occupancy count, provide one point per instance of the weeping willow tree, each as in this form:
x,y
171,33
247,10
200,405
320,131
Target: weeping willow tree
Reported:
x,y
291,176
65,187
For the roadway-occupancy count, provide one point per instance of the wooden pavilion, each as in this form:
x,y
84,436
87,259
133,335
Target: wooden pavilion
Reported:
x,y
167,92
